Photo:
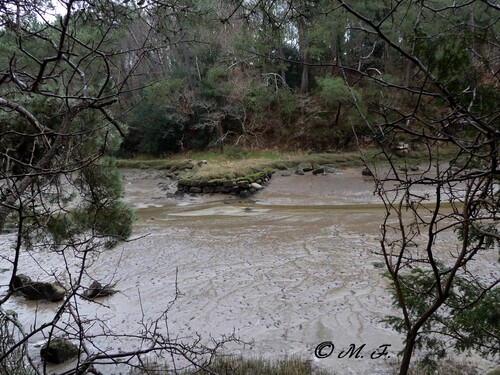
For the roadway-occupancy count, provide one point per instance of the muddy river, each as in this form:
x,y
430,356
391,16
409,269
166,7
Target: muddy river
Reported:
x,y
290,268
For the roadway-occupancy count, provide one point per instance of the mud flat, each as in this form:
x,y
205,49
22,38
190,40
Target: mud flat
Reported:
x,y
287,270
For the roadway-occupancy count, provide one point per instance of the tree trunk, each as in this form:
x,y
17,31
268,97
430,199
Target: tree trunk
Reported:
x,y
304,49
186,56
283,66
411,338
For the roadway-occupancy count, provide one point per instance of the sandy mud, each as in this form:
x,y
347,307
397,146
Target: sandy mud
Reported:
x,y
290,268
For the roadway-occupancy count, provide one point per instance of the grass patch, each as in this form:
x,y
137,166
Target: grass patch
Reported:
x,y
150,163
241,366
236,162
229,169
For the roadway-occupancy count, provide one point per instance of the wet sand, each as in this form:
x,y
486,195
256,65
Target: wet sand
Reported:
x,y
290,268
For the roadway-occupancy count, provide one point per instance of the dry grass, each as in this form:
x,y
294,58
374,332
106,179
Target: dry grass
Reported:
x,y
237,163
230,169
242,366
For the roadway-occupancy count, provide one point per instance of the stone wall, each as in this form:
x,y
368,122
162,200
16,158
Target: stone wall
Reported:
x,y
242,186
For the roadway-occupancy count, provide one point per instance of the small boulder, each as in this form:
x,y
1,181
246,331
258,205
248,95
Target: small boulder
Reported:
x,y
256,186
319,170
195,190
305,166
58,351
367,172
330,168
244,194
208,189
186,166
244,184
35,290
96,289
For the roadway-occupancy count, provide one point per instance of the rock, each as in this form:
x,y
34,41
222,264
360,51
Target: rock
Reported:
x,y
221,185
367,172
286,174
244,184
58,351
256,186
305,166
208,189
201,162
244,194
97,290
171,175
281,166
330,168
401,149
195,190
316,166
299,172
186,166
35,290
184,182
228,184
319,170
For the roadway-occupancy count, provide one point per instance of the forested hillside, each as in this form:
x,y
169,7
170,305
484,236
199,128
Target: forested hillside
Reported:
x,y
263,74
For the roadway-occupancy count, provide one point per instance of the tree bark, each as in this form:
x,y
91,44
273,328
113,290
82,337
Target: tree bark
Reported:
x,y
304,49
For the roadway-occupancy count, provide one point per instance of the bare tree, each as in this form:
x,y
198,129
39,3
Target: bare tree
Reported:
x,y
442,109
60,76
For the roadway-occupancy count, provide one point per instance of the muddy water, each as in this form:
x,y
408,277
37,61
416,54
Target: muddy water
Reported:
x,y
290,269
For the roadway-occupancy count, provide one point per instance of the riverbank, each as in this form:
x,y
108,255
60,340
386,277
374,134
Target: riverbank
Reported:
x,y
291,267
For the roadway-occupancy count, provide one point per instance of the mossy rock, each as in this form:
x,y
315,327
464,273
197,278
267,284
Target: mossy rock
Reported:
x,y
35,290
254,176
281,166
243,184
58,351
184,182
215,182
305,166
96,289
